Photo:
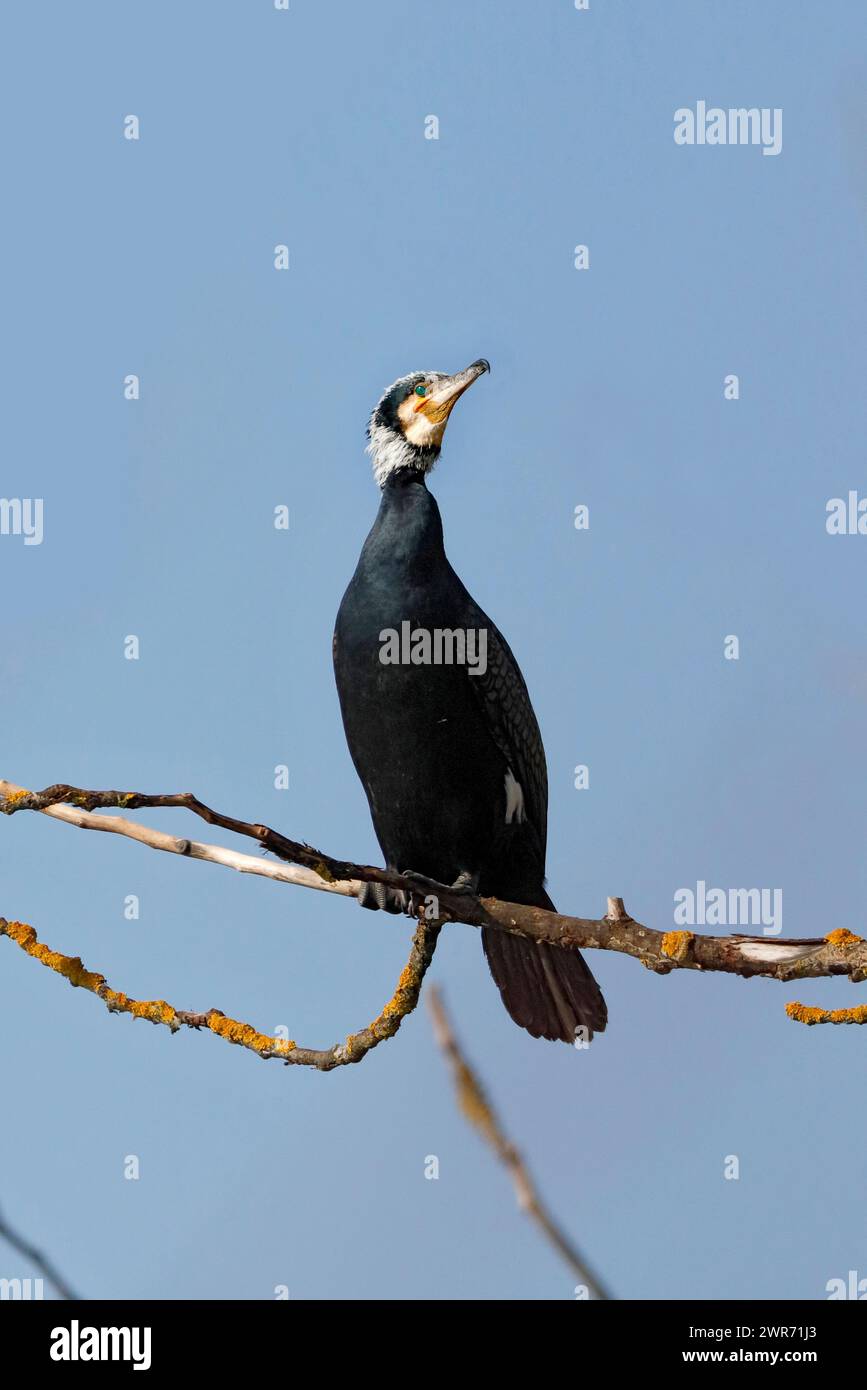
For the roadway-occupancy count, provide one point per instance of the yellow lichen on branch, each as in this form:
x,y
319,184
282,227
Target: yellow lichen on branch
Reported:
x,y
843,939
402,1002
356,1046
406,986
245,1036
676,944
803,1013
73,970
9,803
154,1010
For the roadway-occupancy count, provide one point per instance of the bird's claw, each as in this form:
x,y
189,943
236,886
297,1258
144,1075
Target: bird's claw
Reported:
x,y
378,897
465,884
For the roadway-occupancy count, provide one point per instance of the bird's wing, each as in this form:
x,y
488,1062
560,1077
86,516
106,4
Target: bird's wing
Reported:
x,y
505,702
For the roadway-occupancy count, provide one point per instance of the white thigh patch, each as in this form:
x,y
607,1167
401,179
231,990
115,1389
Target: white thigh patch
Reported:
x,y
514,799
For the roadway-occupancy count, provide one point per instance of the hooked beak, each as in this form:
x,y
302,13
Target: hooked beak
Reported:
x,y
438,402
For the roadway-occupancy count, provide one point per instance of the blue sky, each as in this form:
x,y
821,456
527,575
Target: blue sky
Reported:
x,y
155,257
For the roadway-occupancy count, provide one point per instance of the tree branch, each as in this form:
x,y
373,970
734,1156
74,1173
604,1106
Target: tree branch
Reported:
x,y
10,801
476,1107
784,959
356,1046
802,1013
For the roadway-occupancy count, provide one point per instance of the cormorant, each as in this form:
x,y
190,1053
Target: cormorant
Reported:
x,y
439,722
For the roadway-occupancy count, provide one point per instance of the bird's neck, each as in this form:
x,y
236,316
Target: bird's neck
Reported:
x,y
408,531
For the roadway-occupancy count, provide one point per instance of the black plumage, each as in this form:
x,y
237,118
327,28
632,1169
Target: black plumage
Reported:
x,y
452,762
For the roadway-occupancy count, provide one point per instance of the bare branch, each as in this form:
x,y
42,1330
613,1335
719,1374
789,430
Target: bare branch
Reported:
x,y
189,849
785,959
476,1107
356,1046
37,1258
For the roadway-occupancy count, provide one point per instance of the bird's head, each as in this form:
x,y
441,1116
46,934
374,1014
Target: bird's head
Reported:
x,y
408,423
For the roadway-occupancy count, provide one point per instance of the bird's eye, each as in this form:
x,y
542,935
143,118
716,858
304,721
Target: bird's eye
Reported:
x,y
421,390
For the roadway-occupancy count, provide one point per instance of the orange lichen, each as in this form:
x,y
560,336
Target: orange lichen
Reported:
x,y
396,1005
73,969
843,939
386,1024
231,1030
245,1036
675,944
803,1013
13,799
70,967
154,1010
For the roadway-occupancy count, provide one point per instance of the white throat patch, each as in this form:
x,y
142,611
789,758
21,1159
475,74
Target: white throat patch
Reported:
x,y
389,451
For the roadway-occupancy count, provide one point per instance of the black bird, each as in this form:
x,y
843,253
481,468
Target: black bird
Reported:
x,y
448,749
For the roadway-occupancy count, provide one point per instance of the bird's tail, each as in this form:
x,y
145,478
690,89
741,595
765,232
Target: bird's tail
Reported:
x,y
549,990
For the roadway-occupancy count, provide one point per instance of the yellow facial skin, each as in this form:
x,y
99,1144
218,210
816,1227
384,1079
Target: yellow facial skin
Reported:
x,y
421,426
424,418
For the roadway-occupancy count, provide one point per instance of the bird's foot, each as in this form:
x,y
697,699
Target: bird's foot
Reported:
x,y
378,897
465,883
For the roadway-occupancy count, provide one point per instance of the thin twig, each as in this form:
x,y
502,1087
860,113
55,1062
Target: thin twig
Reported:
x,y
37,1258
477,1108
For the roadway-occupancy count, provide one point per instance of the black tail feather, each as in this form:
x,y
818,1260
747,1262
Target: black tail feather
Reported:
x,y
549,990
